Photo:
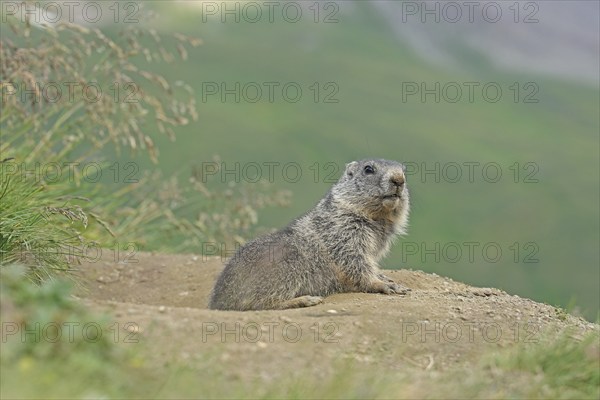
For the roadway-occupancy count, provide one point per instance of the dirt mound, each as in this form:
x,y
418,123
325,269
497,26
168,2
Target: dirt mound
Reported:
x,y
162,299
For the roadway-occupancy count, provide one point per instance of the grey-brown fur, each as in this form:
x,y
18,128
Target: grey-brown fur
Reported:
x,y
333,248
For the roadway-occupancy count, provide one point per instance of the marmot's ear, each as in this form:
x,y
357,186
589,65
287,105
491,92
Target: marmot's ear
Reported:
x,y
351,168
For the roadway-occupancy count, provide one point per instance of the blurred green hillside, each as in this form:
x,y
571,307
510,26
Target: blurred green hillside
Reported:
x,y
551,214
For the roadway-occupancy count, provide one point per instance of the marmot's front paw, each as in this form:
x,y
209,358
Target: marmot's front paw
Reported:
x,y
396,288
390,287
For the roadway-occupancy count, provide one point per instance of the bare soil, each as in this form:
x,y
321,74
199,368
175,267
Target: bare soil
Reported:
x,y
162,301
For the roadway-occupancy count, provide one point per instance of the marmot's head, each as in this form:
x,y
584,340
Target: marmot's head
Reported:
x,y
376,188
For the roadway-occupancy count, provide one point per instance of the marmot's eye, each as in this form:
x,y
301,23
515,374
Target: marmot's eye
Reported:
x,y
369,169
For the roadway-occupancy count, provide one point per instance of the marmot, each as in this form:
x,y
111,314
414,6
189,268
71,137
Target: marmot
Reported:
x,y
333,248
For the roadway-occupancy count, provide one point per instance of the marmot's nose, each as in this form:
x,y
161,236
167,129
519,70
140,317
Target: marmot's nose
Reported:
x,y
397,179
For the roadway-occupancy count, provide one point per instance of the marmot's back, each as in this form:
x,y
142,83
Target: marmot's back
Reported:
x,y
335,247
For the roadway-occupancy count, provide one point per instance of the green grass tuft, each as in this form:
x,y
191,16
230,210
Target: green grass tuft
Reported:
x,y
36,231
